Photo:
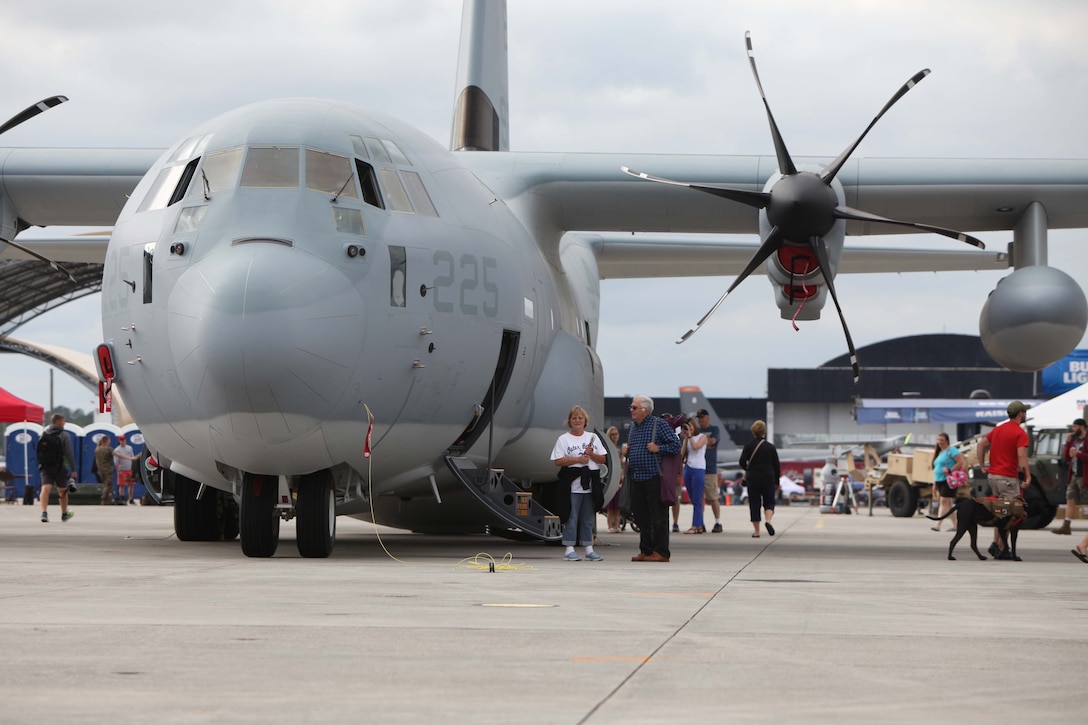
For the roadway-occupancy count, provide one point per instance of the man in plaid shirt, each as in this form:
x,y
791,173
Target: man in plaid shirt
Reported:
x,y
648,439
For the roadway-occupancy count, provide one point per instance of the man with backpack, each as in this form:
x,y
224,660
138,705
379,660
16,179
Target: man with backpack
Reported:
x,y
54,448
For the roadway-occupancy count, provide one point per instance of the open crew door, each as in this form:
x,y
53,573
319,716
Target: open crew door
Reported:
x,y
504,368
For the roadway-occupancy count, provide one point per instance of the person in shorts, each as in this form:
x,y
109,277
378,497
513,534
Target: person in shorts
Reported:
x,y
123,456
1075,453
1008,471
711,491
57,474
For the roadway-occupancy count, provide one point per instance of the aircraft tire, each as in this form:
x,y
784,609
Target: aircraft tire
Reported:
x,y
315,509
194,520
902,499
259,522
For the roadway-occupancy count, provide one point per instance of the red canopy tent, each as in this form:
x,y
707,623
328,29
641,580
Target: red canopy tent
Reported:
x,y
17,410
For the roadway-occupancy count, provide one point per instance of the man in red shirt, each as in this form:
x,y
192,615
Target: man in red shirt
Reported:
x,y
1008,471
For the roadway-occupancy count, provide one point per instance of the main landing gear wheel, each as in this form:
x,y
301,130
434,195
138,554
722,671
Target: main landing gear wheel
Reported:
x,y
259,521
315,509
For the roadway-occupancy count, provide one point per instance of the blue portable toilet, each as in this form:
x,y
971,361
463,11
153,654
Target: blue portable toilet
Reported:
x,y
135,439
21,452
91,434
75,433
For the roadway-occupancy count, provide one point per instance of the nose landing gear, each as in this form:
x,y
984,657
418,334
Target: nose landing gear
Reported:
x,y
315,508
259,520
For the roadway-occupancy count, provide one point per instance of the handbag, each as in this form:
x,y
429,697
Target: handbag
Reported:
x,y
744,478
668,467
955,479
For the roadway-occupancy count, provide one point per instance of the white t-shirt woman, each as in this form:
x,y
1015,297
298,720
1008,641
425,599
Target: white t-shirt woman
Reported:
x,y
574,446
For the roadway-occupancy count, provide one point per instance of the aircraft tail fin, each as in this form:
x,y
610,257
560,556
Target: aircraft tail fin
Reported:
x,y
692,400
481,110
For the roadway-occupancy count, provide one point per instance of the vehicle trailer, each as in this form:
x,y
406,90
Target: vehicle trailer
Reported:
x,y
907,479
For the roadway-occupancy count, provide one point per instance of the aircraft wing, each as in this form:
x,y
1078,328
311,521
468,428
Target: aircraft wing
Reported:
x,y
637,256
90,248
588,192
69,187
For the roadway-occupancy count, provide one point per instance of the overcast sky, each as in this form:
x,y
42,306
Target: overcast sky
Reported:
x,y
1009,80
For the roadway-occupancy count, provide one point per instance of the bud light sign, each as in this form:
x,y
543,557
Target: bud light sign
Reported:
x,y
1066,374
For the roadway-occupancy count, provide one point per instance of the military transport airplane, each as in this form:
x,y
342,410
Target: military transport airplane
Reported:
x,y
314,309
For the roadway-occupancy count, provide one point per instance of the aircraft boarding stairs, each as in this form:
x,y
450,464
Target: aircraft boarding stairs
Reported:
x,y
507,501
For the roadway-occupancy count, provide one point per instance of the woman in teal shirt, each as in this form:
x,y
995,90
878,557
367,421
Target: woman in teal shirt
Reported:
x,y
946,458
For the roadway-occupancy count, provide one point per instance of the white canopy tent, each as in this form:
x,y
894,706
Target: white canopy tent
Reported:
x,y
1061,411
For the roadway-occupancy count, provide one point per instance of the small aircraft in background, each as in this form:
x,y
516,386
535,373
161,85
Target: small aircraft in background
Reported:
x,y
801,461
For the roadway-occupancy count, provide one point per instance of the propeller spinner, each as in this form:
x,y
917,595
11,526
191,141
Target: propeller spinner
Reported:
x,y
802,206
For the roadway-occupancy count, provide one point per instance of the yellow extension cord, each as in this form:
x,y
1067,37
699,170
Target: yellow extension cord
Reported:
x,y
481,562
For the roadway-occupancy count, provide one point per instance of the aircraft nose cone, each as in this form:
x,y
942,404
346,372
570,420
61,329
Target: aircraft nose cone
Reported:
x,y
265,339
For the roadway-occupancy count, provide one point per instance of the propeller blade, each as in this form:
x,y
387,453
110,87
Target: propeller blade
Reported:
x,y
845,212
50,262
785,163
833,168
769,247
820,248
757,199
28,113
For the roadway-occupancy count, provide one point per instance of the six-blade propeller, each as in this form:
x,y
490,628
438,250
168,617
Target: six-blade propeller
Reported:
x,y
802,207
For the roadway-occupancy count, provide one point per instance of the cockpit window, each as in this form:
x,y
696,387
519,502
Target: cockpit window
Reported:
x,y
369,181
163,188
218,173
358,146
377,151
271,167
330,173
190,148
395,154
395,197
421,200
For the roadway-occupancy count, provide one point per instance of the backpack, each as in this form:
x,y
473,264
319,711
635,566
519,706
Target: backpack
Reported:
x,y
50,450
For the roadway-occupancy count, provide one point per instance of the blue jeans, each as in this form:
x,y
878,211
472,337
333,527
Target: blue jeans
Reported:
x,y
580,522
694,482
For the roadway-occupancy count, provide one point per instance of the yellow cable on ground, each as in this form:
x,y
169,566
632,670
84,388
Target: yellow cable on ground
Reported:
x,y
485,562
488,562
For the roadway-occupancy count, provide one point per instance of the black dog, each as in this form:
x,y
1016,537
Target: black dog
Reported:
x,y
969,514
1038,513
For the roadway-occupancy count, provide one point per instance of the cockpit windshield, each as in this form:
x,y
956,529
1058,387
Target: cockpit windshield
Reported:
x,y
330,173
271,167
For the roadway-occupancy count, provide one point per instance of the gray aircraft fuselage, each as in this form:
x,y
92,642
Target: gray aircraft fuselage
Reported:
x,y
256,321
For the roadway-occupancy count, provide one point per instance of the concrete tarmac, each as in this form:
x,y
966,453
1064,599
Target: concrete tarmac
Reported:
x,y
836,619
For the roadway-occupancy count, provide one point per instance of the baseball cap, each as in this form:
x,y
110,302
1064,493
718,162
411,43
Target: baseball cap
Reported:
x,y
1016,407
1080,421
701,413
120,437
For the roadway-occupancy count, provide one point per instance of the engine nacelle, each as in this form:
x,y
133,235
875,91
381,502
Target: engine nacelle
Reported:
x,y
799,288
1033,318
